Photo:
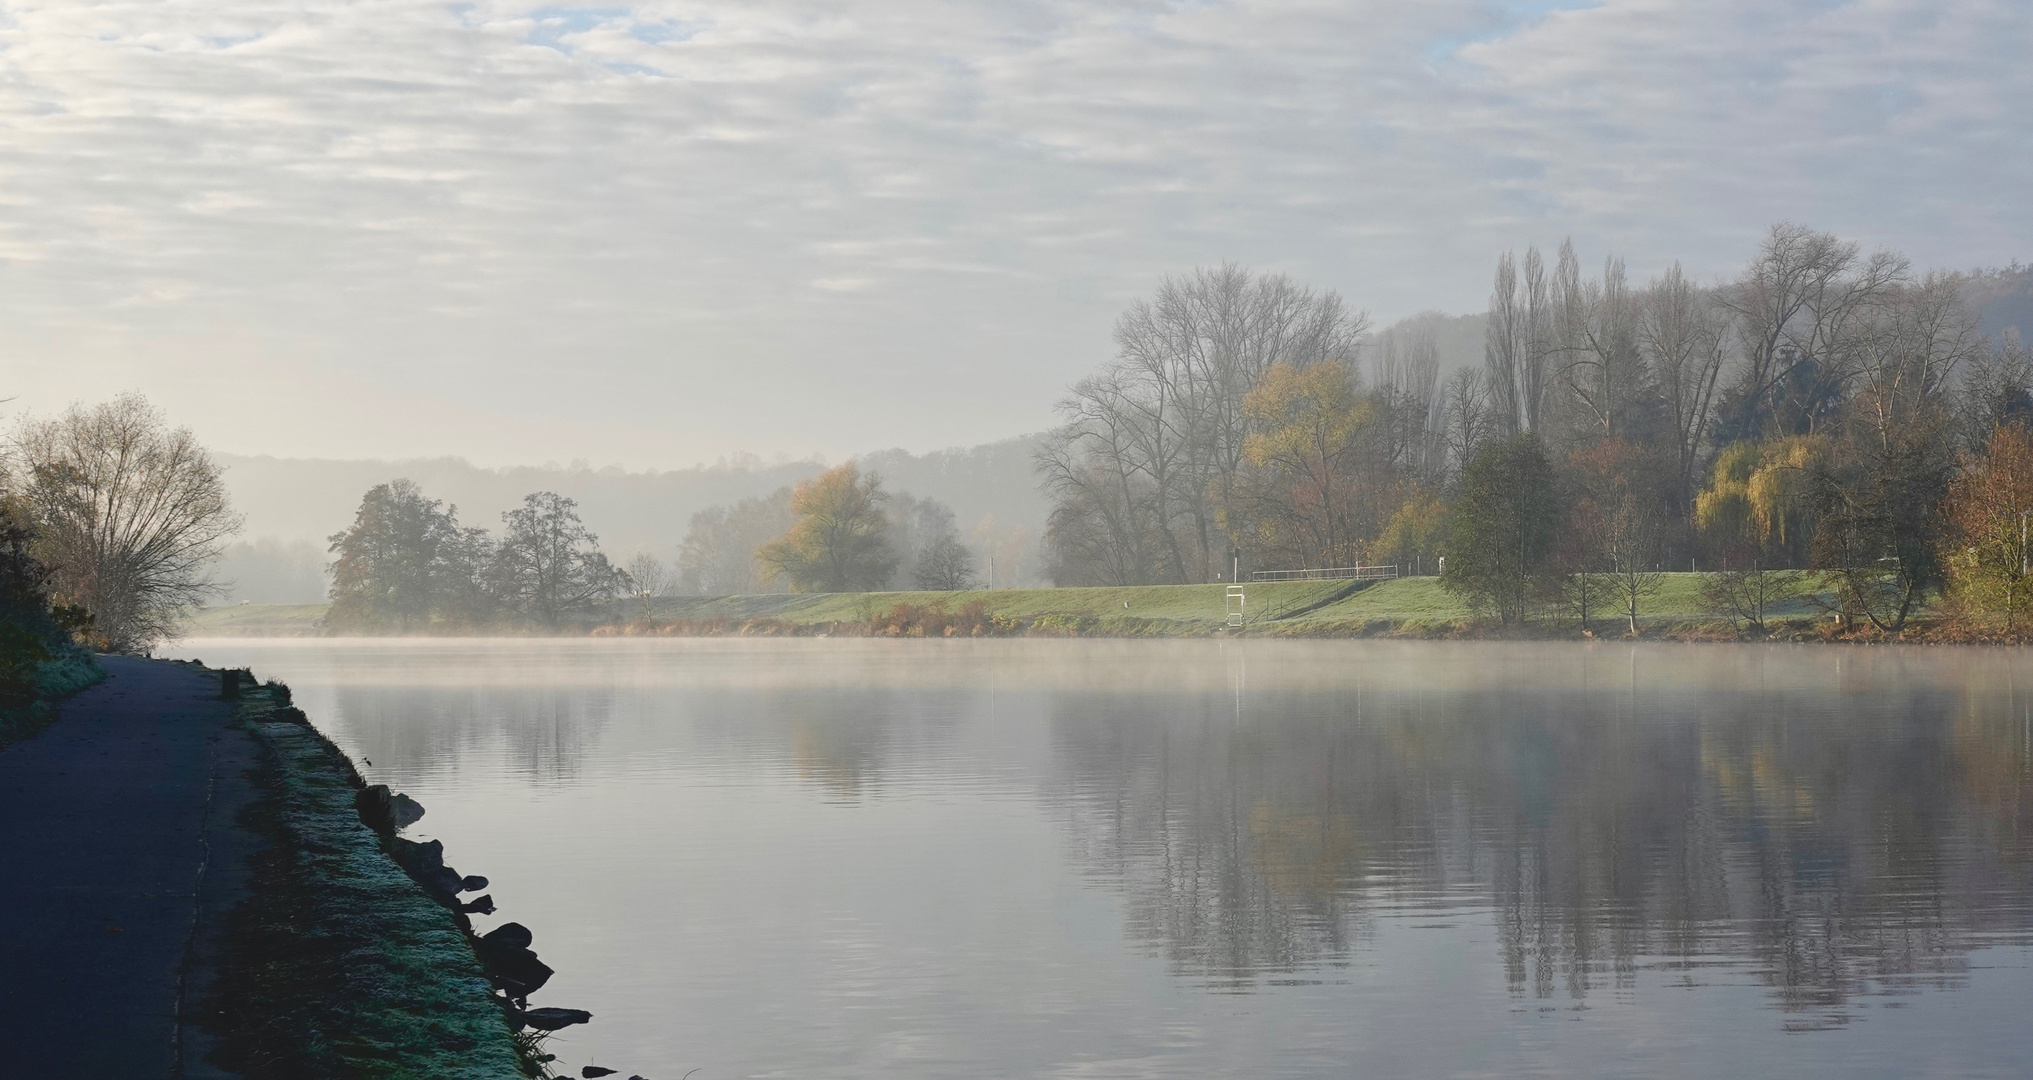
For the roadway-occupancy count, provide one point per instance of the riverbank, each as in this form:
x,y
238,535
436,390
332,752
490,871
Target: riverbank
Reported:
x,y
1415,607
339,964
200,897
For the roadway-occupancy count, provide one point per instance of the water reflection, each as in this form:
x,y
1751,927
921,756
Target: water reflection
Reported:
x,y
542,732
1841,842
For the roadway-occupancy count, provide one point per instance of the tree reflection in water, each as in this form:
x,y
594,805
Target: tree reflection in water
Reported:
x,y
425,729
1830,844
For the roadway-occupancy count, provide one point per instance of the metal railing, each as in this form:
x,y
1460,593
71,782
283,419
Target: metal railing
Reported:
x,y
1328,573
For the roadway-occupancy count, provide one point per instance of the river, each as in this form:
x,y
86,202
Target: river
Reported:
x,y
1080,858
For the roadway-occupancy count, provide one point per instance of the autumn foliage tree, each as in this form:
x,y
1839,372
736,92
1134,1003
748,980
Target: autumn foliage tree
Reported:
x,y
1625,489
1304,490
1987,509
839,542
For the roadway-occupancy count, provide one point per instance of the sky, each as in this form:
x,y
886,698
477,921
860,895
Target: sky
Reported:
x,y
664,233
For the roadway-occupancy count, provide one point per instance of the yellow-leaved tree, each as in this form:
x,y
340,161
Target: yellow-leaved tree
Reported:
x,y
840,540
1415,533
1306,477
1757,513
1988,508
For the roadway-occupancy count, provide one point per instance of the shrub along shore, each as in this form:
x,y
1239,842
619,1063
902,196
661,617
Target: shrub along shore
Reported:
x,y
1412,607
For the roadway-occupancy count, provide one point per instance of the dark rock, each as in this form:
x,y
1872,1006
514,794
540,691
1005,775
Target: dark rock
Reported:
x,y
552,1019
229,685
377,810
592,1071
405,810
516,970
419,860
475,883
482,906
444,881
512,934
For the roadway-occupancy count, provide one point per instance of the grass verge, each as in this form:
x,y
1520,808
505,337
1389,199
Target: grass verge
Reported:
x,y
69,671
338,964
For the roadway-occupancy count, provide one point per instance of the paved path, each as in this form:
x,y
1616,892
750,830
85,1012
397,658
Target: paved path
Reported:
x,y
120,850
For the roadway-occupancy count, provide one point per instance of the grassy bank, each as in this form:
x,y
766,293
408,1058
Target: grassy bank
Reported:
x,y
69,671
1416,607
339,964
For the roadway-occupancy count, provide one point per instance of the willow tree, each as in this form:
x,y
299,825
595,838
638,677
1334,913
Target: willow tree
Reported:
x,y
128,514
1758,513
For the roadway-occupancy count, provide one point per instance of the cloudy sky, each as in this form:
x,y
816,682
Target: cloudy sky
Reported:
x,y
657,233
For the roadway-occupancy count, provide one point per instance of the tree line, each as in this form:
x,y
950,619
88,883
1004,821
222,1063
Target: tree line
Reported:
x,y
1826,421
841,531
407,564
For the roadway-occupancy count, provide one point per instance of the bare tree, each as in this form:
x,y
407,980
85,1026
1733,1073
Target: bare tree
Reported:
x,y
129,512
1148,460
717,557
1468,420
647,580
945,565
1520,344
1795,306
1604,370
1681,329
548,564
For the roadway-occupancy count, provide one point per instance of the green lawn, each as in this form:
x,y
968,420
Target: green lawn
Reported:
x,y
1291,607
1195,605
257,620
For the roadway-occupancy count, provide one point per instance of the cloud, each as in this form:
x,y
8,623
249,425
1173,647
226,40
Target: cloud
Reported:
x,y
852,224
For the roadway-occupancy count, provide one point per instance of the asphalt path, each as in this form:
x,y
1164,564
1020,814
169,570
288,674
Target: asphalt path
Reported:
x,y
121,854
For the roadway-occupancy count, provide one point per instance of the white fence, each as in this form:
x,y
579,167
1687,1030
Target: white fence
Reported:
x,y
1329,573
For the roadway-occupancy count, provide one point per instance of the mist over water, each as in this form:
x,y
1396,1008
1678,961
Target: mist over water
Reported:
x,y
1198,858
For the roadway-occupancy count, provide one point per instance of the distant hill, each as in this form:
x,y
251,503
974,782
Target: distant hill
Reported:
x,y
2004,301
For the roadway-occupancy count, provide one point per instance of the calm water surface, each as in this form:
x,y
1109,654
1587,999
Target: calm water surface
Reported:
x,y
1215,859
